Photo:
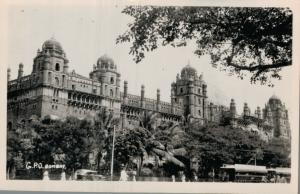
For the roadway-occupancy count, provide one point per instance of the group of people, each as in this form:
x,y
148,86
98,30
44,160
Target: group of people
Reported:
x,y
274,179
125,177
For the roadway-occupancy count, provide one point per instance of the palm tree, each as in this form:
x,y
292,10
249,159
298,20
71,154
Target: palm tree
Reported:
x,y
103,122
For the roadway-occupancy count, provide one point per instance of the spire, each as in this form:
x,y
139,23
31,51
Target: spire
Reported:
x,y
20,72
53,37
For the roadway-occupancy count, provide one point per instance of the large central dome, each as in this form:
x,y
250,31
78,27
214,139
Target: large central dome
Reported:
x,y
188,71
52,44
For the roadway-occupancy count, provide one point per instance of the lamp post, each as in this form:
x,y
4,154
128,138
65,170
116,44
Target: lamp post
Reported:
x,y
112,156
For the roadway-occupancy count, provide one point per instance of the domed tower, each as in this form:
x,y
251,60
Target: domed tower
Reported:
x,y
106,73
277,115
50,66
232,109
191,92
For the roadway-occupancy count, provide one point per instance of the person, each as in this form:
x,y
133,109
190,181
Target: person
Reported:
x,y
183,178
124,176
273,179
75,175
264,179
133,175
46,176
133,178
195,177
277,179
63,176
283,179
173,178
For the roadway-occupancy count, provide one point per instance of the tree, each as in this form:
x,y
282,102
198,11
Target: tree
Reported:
x,y
103,124
70,138
278,153
131,145
218,145
20,147
239,40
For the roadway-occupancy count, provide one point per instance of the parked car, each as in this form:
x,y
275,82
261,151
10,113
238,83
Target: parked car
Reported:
x,y
88,175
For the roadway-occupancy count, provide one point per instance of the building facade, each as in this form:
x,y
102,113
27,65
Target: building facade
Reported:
x,y
51,90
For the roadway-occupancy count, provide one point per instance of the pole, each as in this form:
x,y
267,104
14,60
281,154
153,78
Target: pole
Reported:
x,y
112,156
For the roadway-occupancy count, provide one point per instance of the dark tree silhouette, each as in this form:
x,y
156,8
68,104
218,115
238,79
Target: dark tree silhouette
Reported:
x,y
239,40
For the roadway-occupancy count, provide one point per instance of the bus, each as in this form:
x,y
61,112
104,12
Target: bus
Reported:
x,y
243,173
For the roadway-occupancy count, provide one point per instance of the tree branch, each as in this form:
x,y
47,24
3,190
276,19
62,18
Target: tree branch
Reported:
x,y
260,67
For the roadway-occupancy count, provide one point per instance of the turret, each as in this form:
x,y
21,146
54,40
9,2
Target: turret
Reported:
x,y
143,96
173,99
66,67
158,106
258,112
21,71
191,98
201,77
232,108
8,74
125,97
204,89
177,77
246,110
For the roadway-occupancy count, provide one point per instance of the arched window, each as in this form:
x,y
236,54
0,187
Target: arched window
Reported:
x,y
57,67
57,81
112,80
111,93
49,77
63,80
105,90
181,90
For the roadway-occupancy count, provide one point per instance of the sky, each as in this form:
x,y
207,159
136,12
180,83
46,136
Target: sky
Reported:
x,y
88,32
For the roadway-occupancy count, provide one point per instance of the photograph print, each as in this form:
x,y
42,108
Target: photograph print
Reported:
x,y
134,93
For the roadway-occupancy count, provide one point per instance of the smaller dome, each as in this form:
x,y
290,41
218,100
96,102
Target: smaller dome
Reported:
x,y
105,62
52,44
188,70
274,97
275,100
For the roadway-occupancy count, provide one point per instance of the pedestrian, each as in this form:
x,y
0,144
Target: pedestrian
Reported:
x,y
273,179
277,179
173,178
195,178
46,176
133,178
183,178
63,176
124,176
264,179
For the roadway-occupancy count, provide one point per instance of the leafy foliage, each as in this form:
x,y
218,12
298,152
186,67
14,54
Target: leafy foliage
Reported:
x,y
160,149
214,146
278,152
239,40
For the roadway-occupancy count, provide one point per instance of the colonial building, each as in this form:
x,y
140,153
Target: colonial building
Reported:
x,y
54,91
